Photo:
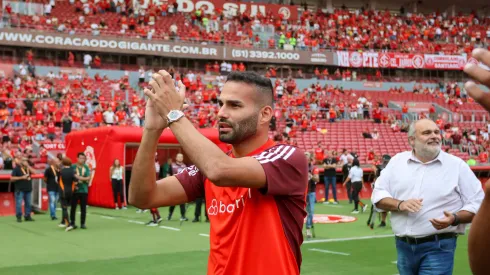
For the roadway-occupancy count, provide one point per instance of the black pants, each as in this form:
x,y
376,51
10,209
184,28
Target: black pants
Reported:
x,y
349,190
182,211
117,190
82,197
65,200
199,203
356,189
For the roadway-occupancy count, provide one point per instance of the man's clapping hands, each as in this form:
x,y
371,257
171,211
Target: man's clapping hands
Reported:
x,y
163,98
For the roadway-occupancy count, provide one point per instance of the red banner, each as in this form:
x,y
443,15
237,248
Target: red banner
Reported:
x,y
445,62
401,60
230,7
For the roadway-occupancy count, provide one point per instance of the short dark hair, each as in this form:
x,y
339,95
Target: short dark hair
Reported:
x,y
80,154
262,84
355,162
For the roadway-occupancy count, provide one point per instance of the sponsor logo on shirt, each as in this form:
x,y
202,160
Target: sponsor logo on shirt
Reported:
x,y
218,207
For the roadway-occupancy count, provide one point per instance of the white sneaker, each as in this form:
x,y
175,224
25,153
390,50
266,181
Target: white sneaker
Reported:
x,y
62,225
125,208
152,223
308,233
364,209
335,202
355,212
146,210
117,208
69,228
139,211
327,202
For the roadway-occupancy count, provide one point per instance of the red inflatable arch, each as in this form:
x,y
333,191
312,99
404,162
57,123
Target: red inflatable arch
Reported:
x,y
105,144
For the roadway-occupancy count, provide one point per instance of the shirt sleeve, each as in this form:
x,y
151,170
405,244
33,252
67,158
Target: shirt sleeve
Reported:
x,y
286,170
382,186
193,182
351,173
470,189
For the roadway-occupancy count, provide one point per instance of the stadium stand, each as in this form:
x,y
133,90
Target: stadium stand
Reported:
x,y
314,30
318,114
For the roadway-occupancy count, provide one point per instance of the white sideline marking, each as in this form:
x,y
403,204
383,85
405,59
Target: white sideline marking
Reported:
x,y
334,205
204,235
107,217
137,222
170,228
348,239
328,251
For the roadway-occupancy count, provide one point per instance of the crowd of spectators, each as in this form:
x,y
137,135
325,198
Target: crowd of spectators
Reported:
x,y
46,108
342,29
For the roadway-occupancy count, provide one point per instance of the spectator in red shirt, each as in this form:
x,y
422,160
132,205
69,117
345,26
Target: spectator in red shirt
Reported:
x,y
319,153
377,115
483,157
405,113
51,130
17,113
39,130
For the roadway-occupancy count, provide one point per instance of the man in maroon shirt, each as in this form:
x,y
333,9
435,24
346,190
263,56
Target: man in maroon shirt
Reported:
x,y
178,167
257,183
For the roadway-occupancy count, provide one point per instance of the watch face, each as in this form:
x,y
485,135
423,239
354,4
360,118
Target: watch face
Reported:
x,y
174,115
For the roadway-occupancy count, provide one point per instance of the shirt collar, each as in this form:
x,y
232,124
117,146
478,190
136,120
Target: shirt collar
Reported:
x,y
270,143
439,158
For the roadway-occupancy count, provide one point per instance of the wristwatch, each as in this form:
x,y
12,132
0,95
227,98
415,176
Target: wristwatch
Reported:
x,y
174,115
456,220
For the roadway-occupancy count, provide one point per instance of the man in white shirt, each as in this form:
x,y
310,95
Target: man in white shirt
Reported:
x,y
344,158
87,59
431,195
109,116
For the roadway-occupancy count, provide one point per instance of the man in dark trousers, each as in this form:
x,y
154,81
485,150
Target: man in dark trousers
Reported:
x,y
345,172
21,175
51,179
377,172
330,177
197,213
177,167
80,194
310,200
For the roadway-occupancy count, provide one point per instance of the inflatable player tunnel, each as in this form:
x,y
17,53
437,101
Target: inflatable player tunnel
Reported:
x,y
105,144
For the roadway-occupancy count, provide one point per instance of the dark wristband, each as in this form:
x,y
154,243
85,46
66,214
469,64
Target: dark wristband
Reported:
x,y
398,207
456,220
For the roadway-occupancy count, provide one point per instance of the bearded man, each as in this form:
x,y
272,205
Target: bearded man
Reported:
x,y
432,196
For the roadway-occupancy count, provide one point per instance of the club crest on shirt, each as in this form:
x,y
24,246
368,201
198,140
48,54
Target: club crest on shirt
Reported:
x,y
191,170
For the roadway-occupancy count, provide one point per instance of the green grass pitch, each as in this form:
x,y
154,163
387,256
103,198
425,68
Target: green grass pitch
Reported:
x,y
116,242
